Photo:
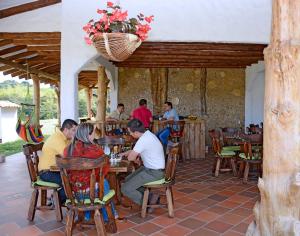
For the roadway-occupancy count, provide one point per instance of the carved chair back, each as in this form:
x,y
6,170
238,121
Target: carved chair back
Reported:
x,y
171,164
31,152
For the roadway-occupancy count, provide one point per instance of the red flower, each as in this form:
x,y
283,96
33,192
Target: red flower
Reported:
x,y
149,19
88,40
100,11
110,4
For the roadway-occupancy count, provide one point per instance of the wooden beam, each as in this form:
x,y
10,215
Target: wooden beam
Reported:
x,y
44,48
27,7
12,49
31,71
203,84
89,97
29,41
31,35
5,42
21,55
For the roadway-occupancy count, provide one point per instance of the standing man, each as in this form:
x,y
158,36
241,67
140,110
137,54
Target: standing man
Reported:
x,y
143,114
170,112
118,114
53,146
151,151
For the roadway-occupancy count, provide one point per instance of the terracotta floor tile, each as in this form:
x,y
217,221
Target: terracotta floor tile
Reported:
x,y
238,198
185,200
147,228
165,220
242,212
226,193
229,204
197,196
29,230
242,228
124,225
195,207
249,219
206,216
176,231
181,213
231,218
129,232
249,205
207,202
187,190
203,232
218,226
218,197
50,225
232,233
191,223
53,233
9,228
218,209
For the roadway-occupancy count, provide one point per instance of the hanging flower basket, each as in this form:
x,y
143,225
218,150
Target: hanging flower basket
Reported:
x,y
116,36
116,46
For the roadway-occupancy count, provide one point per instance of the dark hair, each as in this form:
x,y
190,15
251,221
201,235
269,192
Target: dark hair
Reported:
x,y
120,105
68,124
143,102
169,104
136,125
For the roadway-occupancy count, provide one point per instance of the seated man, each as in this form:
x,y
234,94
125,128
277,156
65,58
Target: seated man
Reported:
x,y
118,114
54,145
151,151
170,112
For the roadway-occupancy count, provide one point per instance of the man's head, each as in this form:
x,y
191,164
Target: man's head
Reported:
x,y
121,107
143,102
68,128
136,128
168,106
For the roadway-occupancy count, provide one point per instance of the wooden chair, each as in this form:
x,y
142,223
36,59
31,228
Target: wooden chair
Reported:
x,y
176,135
92,202
32,159
162,186
221,157
112,127
250,159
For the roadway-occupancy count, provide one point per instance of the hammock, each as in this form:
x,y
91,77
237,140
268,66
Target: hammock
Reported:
x,y
27,127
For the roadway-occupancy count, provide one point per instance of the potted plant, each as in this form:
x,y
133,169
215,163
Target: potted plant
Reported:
x,y
114,35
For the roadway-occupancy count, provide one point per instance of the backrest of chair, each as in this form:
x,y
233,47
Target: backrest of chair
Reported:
x,y
177,127
111,127
171,164
69,164
216,145
32,159
248,150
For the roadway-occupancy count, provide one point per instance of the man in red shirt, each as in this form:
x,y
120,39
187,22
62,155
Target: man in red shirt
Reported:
x,y
142,113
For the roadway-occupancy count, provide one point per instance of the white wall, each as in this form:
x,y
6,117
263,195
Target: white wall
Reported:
x,y
8,124
254,96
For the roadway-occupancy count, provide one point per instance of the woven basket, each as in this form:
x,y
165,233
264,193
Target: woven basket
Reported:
x,y
116,46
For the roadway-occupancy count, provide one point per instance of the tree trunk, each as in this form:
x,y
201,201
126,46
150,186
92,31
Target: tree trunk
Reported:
x,y
102,97
159,88
57,91
203,79
36,96
277,213
88,92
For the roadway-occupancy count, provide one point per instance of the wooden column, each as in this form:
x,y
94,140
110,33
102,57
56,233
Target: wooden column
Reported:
x,y
159,88
36,96
278,211
57,91
203,78
89,96
102,97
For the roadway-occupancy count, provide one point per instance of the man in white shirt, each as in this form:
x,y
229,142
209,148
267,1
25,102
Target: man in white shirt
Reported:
x,y
151,151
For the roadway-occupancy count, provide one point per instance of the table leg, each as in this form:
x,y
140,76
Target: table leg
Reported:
x,y
115,184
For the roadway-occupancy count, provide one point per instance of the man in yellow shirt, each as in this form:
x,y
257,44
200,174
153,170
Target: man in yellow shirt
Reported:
x,y
54,145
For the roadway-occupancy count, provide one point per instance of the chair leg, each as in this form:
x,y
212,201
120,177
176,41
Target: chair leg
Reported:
x,y
58,212
43,197
233,166
171,189
170,202
241,169
33,202
217,167
69,222
145,203
246,173
111,226
99,224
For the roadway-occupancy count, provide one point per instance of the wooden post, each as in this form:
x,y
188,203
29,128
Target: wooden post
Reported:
x,y
159,88
36,96
277,213
102,97
88,93
57,91
203,108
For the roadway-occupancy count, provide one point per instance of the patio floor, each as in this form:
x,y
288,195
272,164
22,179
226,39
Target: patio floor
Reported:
x,y
204,205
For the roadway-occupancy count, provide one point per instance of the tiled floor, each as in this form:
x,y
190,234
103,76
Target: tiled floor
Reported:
x,y
204,205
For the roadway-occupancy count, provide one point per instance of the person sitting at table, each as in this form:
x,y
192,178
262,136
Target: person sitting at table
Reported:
x,y
118,114
143,113
151,151
170,112
83,146
53,146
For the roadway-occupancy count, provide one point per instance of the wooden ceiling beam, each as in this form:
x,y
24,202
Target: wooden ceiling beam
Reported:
x,y
12,49
31,35
44,48
4,68
21,55
33,71
26,7
5,42
29,41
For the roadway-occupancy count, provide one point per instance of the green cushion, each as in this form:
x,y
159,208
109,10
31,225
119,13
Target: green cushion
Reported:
x,y
40,182
87,201
231,148
226,153
160,181
243,156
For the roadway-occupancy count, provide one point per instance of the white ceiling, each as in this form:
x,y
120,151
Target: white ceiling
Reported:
x,y
4,4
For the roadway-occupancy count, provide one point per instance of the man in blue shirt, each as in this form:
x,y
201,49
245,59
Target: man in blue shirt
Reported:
x,y
170,112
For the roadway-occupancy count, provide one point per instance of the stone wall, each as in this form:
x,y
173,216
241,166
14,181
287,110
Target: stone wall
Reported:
x,y
225,93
